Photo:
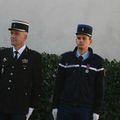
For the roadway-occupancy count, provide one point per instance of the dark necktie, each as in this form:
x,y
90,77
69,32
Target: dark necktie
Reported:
x,y
16,55
80,59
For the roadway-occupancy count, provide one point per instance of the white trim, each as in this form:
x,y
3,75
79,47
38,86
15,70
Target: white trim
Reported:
x,y
92,68
68,66
22,22
101,69
83,66
17,29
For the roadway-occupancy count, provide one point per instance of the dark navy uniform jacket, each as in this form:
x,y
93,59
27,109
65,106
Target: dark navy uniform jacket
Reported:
x,y
79,84
20,81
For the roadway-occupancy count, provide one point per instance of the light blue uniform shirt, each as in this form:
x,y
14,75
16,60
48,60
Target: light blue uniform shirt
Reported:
x,y
85,55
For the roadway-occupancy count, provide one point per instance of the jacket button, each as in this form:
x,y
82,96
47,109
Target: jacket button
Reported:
x,y
10,81
8,88
11,74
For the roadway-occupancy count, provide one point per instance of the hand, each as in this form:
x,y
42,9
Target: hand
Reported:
x,y
54,113
29,113
95,116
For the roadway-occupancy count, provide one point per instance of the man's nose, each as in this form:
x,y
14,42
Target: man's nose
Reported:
x,y
12,35
80,39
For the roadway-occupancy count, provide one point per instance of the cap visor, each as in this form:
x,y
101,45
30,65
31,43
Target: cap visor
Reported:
x,y
84,34
15,29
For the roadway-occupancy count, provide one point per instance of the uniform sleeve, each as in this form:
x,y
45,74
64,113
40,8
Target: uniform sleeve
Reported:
x,y
99,88
59,83
1,60
36,81
0,63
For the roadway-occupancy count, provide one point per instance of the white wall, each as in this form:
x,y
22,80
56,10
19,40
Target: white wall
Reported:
x,y
53,23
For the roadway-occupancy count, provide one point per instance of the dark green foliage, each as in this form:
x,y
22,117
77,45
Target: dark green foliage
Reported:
x,y
49,65
112,91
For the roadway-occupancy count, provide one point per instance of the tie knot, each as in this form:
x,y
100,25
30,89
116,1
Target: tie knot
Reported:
x,y
16,55
16,52
80,58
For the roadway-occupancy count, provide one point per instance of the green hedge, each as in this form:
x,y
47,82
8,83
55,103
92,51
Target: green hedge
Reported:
x,y
111,110
112,91
49,65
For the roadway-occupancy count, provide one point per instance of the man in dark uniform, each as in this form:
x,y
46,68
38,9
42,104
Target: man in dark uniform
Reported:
x,y
79,85
20,76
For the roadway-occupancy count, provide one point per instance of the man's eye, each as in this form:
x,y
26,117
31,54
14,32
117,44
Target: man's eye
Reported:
x,y
78,38
11,33
84,38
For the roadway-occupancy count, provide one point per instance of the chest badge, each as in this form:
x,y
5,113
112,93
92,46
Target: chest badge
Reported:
x,y
4,59
87,68
25,61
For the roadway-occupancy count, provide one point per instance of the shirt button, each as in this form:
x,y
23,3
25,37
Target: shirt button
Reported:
x,y
10,81
11,74
8,88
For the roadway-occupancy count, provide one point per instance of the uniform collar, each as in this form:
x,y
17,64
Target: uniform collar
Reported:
x,y
89,50
20,51
85,55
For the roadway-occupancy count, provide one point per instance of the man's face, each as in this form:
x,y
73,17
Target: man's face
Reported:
x,y
83,41
18,38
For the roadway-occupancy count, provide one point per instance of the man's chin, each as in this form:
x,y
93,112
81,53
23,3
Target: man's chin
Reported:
x,y
80,47
12,44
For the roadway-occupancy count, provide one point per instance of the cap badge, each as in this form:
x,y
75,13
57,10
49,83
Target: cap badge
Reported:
x,y
25,61
82,29
14,25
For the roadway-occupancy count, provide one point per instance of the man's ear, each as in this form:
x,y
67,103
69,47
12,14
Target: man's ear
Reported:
x,y
25,36
91,40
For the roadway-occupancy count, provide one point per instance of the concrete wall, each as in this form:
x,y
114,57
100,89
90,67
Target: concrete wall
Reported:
x,y
53,23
